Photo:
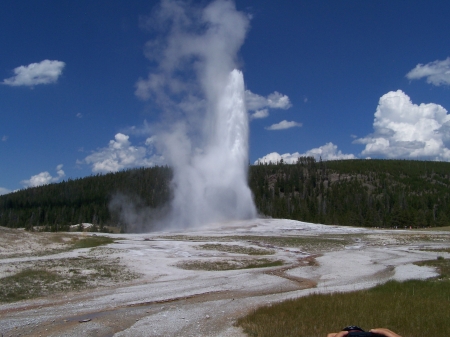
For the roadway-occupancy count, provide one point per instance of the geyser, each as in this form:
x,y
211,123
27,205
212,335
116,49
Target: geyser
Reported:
x,y
212,185
204,136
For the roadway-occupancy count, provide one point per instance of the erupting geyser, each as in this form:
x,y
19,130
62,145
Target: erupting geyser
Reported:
x,y
212,184
204,136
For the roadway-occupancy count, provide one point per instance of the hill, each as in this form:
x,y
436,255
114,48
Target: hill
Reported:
x,y
372,193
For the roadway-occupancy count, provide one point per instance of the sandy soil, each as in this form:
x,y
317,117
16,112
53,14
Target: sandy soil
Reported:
x,y
167,300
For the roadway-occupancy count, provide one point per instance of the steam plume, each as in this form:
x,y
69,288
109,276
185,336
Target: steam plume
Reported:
x,y
204,135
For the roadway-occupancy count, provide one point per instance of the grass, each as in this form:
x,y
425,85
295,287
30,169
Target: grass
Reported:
x,y
91,242
411,308
27,284
229,265
311,244
236,249
438,250
46,277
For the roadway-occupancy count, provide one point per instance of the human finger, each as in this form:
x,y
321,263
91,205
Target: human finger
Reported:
x,y
385,332
338,334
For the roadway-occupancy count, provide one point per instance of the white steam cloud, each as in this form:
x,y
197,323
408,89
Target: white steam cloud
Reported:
x,y
204,134
328,151
44,72
44,178
406,130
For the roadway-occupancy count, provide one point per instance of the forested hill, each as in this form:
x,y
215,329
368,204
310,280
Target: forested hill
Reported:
x,y
381,193
57,206
373,193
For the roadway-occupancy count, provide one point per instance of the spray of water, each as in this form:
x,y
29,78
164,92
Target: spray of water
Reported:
x,y
204,135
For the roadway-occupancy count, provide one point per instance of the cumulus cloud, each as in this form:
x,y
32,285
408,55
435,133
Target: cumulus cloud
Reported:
x,y
260,105
120,154
284,125
260,114
436,73
406,130
328,151
4,191
44,178
44,72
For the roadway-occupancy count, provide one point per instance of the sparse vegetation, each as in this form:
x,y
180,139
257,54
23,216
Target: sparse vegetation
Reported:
x,y
229,264
91,241
236,249
311,244
46,277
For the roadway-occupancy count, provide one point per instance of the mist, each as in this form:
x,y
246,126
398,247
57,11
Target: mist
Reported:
x,y
203,133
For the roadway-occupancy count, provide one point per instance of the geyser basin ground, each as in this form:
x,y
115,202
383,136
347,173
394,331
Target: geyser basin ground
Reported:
x,y
166,299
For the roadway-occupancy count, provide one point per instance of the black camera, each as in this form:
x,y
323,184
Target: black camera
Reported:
x,y
356,331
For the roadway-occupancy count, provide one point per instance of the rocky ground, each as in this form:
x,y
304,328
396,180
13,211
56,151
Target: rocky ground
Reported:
x,y
192,283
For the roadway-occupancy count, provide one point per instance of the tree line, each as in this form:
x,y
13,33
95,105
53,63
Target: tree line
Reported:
x,y
84,200
371,193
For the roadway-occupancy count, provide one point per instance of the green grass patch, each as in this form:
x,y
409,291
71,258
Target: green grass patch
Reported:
x,y
27,284
46,277
412,308
229,264
91,241
236,249
310,244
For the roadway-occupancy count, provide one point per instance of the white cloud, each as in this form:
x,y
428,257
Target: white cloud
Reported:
x,y
44,72
4,191
259,114
328,151
79,115
120,154
406,130
274,101
44,178
4,138
436,73
284,125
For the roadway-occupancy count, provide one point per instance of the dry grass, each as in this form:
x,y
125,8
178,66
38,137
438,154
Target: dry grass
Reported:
x,y
412,308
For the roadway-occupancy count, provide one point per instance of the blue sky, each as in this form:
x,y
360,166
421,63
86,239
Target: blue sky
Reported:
x,y
337,79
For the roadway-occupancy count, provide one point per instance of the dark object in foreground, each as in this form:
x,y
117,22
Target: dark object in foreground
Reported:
x,y
356,331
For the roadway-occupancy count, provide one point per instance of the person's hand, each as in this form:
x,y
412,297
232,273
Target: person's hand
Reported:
x,y
338,334
385,332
